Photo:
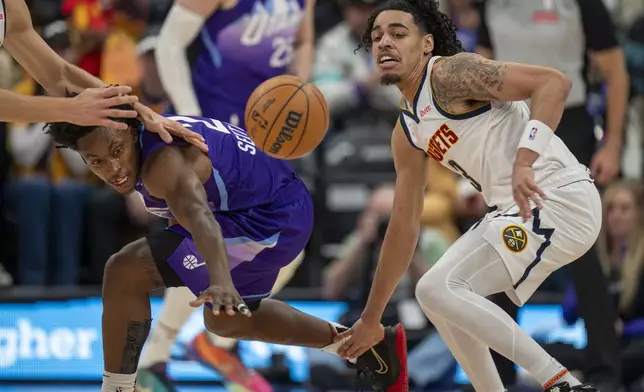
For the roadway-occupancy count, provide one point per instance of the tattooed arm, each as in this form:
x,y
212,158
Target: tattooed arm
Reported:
x,y
460,79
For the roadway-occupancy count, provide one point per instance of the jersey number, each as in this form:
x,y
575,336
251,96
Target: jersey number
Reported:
x,y
210,123
282,52
463,173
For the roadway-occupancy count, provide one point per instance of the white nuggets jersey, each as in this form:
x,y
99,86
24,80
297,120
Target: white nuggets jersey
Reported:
x,y
481,144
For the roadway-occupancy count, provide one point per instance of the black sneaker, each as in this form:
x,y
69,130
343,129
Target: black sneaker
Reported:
x,y
385,365
565,387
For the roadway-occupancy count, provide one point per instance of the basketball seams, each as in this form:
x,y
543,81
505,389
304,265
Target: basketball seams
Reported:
x,y
279,113
262,95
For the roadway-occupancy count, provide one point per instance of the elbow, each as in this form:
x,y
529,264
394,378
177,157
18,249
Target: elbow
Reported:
x,y
562,83
558,84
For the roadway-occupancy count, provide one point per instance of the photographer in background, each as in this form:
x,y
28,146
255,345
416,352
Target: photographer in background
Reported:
x,y
348,278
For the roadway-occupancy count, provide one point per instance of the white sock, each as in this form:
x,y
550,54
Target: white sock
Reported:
x,y
333,347
113,382
175,312
553,374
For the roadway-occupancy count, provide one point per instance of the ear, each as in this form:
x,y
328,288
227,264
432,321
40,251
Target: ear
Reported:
x,y
428,43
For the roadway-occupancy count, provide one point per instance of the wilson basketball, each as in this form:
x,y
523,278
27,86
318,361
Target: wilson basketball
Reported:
x,y
286,117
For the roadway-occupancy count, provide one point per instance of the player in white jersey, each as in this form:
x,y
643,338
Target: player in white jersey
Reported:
x,y
468,113
93,106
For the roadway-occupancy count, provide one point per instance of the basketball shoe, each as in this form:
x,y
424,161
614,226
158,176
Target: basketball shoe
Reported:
x,y
385,364
154,379
236,376
565,387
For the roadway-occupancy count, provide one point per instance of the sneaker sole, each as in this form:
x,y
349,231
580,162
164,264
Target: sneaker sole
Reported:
x,y
400,339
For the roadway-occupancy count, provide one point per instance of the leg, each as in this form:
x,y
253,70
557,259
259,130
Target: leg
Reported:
x,y
454,291
129,277
507,369
31,200
67,205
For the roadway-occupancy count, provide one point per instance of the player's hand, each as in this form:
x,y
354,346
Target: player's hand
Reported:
x,y
359,338
93,106
166,128
605,164
525,189
222,295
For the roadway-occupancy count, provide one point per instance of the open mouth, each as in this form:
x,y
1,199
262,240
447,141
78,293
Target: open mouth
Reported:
x,y
387,61
120,182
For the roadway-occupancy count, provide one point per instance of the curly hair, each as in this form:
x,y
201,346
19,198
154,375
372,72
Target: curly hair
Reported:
x,y
67,135
427,16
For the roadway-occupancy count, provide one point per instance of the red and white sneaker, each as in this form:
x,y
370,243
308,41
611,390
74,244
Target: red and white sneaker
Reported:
x,y
385,364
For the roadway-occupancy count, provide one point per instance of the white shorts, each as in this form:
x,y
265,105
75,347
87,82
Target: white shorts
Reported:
x,y
561,232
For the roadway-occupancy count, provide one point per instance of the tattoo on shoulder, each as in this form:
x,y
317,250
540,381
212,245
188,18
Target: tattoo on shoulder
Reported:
x,y
466,76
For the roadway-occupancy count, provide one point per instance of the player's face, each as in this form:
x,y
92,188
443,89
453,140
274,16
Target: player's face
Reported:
x,y
622,214
112,155
399,45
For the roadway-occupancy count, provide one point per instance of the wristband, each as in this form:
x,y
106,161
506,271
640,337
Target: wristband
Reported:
x,y
536,136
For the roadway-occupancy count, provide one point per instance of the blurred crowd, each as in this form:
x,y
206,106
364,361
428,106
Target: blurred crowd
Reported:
x,y
59,224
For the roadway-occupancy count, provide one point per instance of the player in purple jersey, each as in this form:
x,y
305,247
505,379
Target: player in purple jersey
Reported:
x,y
239,44
236,217
233,45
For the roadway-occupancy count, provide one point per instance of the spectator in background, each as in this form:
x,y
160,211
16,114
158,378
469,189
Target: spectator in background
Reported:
x,y
349,80
621,252
465,17
560,34
46,194
348,278
89,26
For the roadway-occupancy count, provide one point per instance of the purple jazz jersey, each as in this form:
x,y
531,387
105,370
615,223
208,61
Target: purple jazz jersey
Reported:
x,y
263,208
239,49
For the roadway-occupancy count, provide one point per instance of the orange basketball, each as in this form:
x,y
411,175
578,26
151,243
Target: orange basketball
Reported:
x,y
286,117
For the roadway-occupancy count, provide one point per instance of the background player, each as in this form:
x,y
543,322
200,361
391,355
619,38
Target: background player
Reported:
x,y
198,192
459,110
235,45
94,104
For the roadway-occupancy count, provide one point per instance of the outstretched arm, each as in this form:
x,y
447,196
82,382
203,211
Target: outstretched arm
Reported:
x,y
49,69
168,176
403,230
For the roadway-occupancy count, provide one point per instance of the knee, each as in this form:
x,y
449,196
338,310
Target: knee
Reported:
x,y
121,274
429,290
434,291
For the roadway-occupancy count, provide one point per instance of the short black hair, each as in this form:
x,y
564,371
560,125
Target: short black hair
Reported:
x,y
430,19
67,135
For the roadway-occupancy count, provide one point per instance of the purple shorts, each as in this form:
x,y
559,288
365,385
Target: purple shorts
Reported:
x,y
259,242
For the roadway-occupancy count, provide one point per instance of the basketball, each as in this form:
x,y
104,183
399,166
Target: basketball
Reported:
x,y
286,117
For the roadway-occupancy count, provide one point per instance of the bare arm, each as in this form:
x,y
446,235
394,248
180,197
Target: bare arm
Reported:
x,y
466,77
179,30
169,177
49,69
612,66
404,226
304,46
470,77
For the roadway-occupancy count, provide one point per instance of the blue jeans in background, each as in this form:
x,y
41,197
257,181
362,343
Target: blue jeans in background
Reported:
x,y
49,219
